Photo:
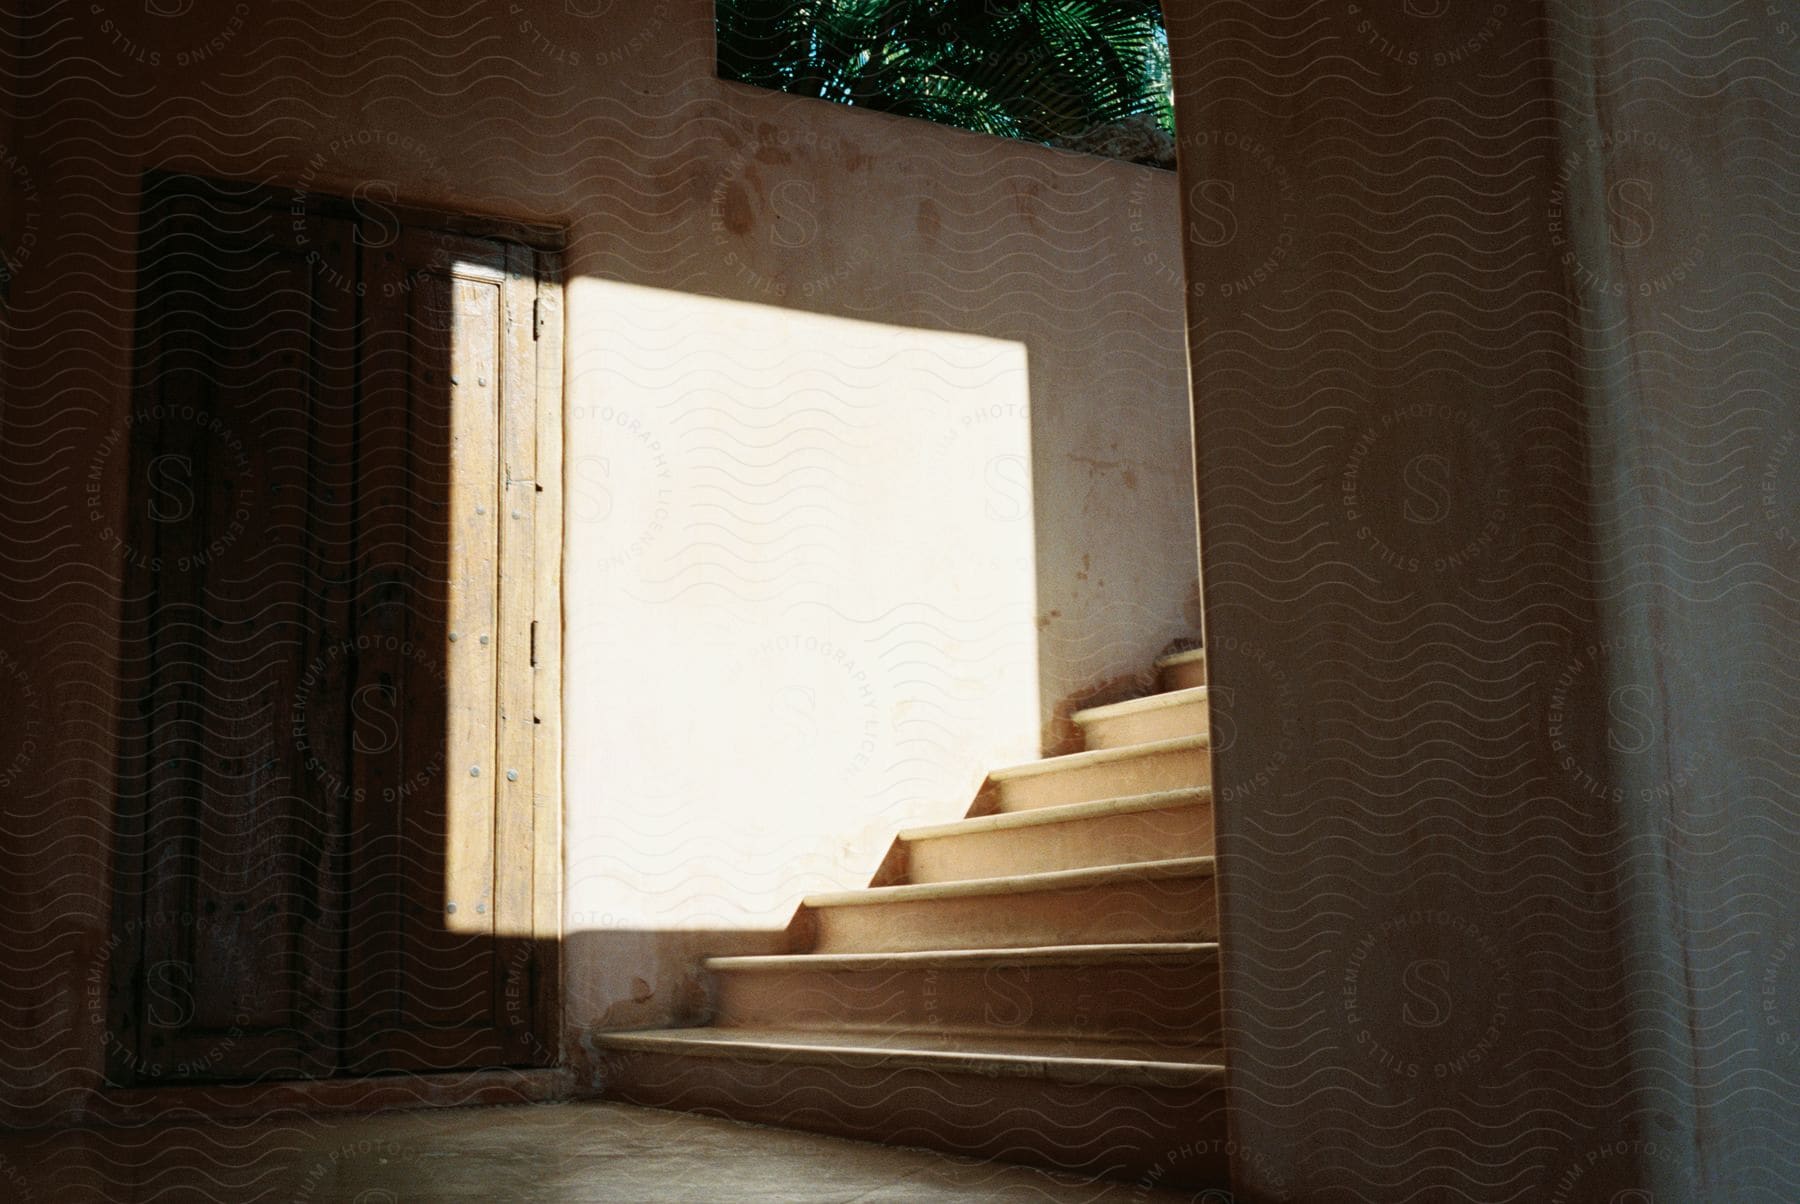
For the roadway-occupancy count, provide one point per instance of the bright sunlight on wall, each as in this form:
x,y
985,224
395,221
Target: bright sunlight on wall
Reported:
x,y
801,601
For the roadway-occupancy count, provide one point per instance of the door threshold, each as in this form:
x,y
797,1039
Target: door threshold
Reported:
x,y
380,1093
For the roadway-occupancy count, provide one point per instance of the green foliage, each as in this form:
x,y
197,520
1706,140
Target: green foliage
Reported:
x,y
1042,70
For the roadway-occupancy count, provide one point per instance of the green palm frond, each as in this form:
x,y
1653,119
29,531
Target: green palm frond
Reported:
x,y
1042,70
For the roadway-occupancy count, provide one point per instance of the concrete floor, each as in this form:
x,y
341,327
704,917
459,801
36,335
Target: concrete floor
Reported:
x,y
537,1154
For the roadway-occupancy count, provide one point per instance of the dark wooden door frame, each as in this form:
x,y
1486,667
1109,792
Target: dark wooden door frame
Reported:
x,y
530,570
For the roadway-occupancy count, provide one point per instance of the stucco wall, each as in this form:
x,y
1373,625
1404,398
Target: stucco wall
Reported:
x,y
1493,358
966,340
1680,183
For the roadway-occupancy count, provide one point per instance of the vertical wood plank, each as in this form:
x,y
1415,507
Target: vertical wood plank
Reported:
x,y
473,604
546,657
451,999
178,382
514,860
319,710
383,594
143,743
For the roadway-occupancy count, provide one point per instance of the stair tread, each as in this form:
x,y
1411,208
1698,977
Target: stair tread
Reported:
x,y
1149,702
1061,813
1136,871
1062,1058
1100,756
939,958
1181,658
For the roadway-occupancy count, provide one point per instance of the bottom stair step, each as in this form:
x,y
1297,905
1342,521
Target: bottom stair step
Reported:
x,y
1097,1108
1063,1059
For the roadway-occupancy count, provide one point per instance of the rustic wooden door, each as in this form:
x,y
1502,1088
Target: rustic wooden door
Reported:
x,y
331,821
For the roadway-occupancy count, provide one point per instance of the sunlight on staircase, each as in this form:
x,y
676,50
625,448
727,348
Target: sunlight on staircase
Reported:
x,y
1037,982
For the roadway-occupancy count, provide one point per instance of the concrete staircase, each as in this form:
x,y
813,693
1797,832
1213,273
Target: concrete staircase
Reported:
x,y
1035,983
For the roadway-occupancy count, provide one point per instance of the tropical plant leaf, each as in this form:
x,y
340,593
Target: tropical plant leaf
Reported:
x,y
1047,71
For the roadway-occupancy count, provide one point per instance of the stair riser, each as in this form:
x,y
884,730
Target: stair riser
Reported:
x,y
1180,831
1170,1002
1157,1137
1183,677
1174,770
1141,727
1168,909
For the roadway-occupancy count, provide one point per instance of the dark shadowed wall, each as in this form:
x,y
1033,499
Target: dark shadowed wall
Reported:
x,y
1491,309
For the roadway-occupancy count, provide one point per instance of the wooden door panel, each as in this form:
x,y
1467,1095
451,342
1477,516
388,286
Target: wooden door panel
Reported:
x,y
226,560
255,606
436,327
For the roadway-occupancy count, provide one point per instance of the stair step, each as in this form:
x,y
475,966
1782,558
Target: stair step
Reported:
x,y
1163,995
1149,901
1063,1060
1118,831
1104,773
1166,716
1089,1108
1182,670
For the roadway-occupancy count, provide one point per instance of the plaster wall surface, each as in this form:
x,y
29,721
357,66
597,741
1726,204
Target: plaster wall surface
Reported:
x,y
1678,180
901,390
1491,328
